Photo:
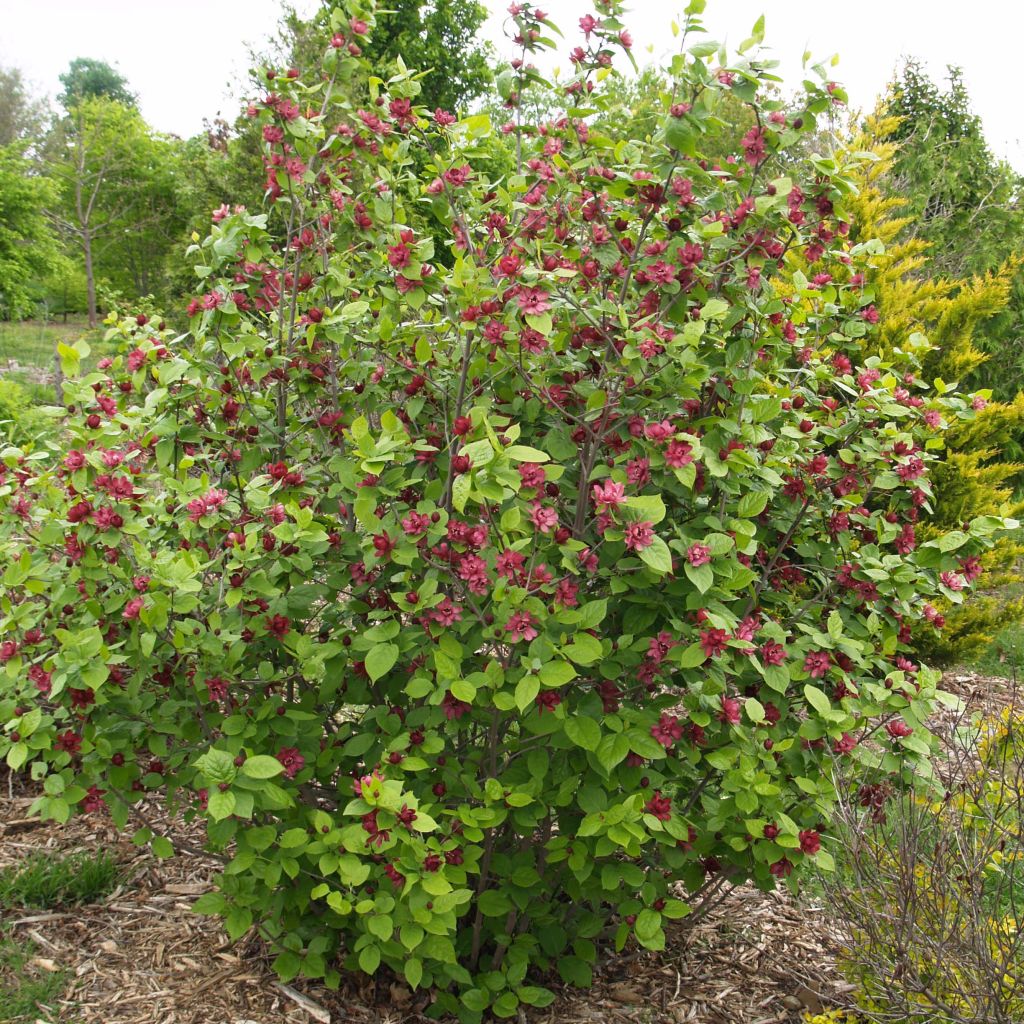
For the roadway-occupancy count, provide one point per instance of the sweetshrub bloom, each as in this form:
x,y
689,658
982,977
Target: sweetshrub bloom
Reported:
x,y
522,527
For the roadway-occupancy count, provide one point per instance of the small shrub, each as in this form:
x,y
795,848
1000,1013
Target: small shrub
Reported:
x,y
44,880
930,889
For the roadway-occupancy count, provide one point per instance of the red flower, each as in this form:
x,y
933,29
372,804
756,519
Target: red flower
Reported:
x,y
639,536
453,707
810,842
521,626
609,494
698,554
69,742
279,625
730,713
660,806
548,701
93,800
533,301
667,730
713,642
292,761
898,729
817,663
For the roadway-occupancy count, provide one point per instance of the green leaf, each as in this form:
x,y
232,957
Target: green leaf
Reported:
x,y
380,660
714,309
475,999
648,923
522,453
755,710
817,699
752,504
413,970
690,657
657,556
480,453
701,576
220,804
505,1005
526,691
777,677
262,766
557,673
575,971
540,322
835,625
369,959
592,613
584,650
612,749
460,491
583,731
952,540
647,508
533,995
162,847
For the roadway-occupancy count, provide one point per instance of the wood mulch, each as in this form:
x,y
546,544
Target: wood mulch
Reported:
x,y
141,956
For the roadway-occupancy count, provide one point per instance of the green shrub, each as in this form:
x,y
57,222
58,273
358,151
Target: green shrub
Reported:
x,y
973,477
491,608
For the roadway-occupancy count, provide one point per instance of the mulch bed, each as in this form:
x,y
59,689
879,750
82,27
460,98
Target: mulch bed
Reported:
x,y
141,956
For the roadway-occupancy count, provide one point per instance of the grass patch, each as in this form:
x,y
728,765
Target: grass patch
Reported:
x,y
25,988
34,342
1004,656
44,881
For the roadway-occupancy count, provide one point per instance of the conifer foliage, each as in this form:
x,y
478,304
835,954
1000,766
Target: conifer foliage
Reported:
x,y
973,476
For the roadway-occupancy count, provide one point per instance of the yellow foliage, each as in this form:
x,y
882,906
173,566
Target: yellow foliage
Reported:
x,y
972,479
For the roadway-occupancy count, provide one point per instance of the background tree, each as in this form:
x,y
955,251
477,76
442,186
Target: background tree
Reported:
x,y
962,200
28,249
22,115
87,79
439,39
116,189
974,478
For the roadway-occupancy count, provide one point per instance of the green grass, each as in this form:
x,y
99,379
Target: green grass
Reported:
x,y
44,881
24,987
34,342
1004,656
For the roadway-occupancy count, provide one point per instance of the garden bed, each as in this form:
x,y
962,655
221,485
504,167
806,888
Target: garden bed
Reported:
x,y
139,955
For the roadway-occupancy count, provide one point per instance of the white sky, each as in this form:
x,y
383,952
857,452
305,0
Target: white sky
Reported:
x,y
180,56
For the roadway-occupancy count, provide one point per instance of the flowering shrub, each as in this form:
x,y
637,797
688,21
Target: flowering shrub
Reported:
x,y
498,590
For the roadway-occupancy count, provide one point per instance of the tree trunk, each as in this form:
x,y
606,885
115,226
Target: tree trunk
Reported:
x,y
90,280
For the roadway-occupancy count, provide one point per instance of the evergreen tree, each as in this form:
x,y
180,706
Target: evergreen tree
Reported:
x,y
964,201
974,478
